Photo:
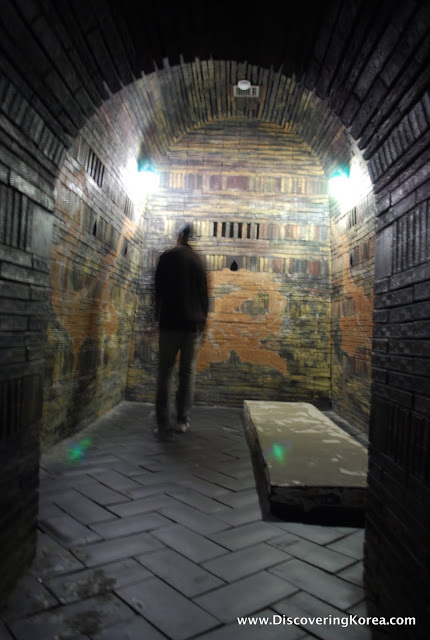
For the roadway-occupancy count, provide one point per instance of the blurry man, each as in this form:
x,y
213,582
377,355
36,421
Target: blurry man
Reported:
x,y
182,308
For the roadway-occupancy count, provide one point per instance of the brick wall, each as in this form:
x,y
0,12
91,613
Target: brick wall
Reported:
x,y
27,174
399,471
353,243
257,198
95,261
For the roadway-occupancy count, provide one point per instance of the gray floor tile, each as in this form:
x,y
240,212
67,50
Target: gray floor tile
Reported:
x,y
206,488
347,530
284,541
142,491
222,480
359,609
182,574
305,605
126,468
116,481
48,509
268,629
320,556
245,596
238,469
81,508
135,629
240,498
242,515
125,547
245,536
351,545
29,596
242,563
98,492
188,543
130,466
354,573
52,558
150,464
193,518
68,530
133,524
152,502
331,589
313,532
165,608
168,477
86,617
196,500
92,582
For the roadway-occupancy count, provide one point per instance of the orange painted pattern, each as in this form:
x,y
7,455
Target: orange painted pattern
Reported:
x,y
230,327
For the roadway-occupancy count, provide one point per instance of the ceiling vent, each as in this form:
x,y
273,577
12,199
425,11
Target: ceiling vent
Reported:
x,y
253,91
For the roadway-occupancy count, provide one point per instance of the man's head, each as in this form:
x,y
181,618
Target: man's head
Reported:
x,y
184,233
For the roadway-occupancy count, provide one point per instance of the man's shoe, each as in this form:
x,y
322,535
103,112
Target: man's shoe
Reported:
x,y
163,435
183,426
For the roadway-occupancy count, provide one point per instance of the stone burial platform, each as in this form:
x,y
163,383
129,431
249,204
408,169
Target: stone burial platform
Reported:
x,y
307,469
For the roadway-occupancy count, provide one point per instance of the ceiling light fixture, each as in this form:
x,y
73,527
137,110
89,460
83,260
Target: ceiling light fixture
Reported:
x,y
244,85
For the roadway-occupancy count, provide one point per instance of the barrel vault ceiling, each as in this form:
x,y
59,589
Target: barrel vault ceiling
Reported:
x,y
175,64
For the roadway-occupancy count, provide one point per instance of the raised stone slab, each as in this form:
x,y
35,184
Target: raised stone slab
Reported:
x,y
307,468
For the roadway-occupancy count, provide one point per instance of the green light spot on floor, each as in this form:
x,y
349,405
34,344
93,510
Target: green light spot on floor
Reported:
x,y
85,443
74,453
278,452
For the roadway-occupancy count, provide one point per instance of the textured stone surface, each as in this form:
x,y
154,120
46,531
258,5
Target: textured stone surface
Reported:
x,y
308,468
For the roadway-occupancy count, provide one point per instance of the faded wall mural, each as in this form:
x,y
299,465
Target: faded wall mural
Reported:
x,y
257,198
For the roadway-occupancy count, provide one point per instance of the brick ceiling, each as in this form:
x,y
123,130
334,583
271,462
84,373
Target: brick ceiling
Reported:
x,y
317,63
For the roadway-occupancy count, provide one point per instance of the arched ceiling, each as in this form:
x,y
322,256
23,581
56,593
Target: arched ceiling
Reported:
x,y
176,63
175,100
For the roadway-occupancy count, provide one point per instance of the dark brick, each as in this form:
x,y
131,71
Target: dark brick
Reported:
x,y
422,291
21,274
380,316
410,276
21,307
408,382
394,298
422,405
381,286
404,398
380,346
13,323
415,311
379,375
14,290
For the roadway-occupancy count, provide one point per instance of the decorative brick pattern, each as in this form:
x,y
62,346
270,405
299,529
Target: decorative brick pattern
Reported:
x,y
270,318
352,308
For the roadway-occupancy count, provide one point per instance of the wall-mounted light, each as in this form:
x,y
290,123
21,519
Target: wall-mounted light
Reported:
x,y
341,188
149,178
338,184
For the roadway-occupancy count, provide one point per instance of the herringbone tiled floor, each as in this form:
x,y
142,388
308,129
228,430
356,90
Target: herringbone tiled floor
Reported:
x,y
142,540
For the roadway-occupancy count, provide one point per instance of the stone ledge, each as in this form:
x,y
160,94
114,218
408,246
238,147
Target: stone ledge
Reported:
x,y
307,469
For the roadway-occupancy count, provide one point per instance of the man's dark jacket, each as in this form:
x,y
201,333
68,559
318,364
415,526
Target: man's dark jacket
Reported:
x,y
181,290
